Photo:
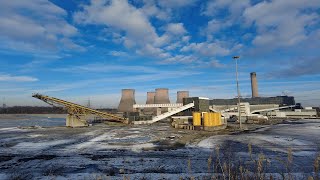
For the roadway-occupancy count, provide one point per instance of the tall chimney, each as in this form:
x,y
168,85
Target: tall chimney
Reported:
x,y
254,84
127,101
162,96
181,95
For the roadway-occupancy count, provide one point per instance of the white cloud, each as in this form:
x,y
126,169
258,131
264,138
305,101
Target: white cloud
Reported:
x,y
122,17
10,78
118,53
176,29
173,46
136,31
207,49
302,66
176,3
179,59
224,14
106,68
150,50
116,81
164,9
281,23
151,9
37,24
214,26
235,8
216,64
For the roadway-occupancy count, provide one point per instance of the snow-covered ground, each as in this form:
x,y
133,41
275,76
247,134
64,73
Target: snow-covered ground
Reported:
x,y
150,151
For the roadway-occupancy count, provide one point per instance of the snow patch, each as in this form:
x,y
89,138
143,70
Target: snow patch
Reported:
x,y
94,142
35,135
32,146
211,142
139,147
11,129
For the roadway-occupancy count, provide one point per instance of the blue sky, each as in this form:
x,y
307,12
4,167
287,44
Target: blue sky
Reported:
x,y
78,50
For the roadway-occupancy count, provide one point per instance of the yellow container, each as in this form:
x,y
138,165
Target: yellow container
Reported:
x,y
207,120
211,119
214,119
196,118
218,119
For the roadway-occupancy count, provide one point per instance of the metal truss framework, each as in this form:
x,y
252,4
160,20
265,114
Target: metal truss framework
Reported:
x,y
77,110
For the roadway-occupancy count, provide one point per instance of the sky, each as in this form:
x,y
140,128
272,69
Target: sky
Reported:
x,y
91,49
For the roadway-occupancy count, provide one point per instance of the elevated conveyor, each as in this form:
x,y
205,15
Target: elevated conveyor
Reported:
x,y
157,105
165,115
272,109
222,112
77,113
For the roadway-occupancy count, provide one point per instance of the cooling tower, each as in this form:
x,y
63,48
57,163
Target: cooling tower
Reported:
x,y
162,96
150,97
181,95
150,100
127,101
254,84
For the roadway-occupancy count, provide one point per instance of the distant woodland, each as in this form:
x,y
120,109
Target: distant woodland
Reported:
x,y
39,110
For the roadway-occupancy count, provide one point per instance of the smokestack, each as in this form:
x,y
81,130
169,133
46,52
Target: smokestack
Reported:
x,y
127,101
150,97
162,96
254,84
181,95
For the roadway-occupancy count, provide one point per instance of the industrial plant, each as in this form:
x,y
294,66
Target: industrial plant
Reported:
x,y
170,134
193,113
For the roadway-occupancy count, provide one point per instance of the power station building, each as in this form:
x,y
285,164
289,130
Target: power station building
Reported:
x,y
280,100
255,99
158,100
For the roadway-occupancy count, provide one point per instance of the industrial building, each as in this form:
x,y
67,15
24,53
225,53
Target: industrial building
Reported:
x,y
279,106
255,99
196,113
159,107
198,117
279,100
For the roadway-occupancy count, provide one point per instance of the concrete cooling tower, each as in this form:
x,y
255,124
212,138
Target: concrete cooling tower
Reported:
x,y
162,96
150,100
150,97
254,85
181,95
127,101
